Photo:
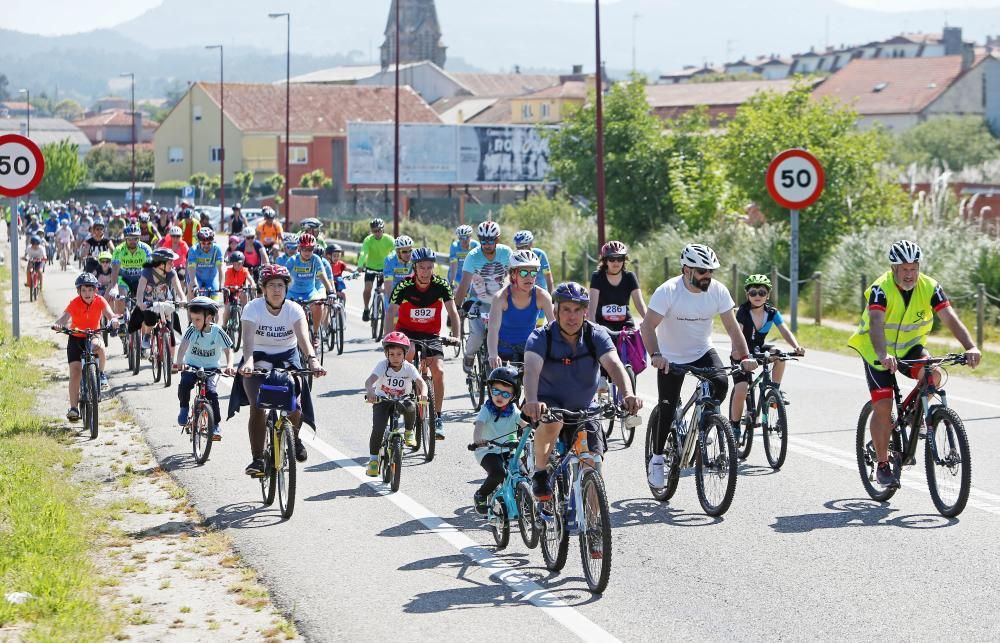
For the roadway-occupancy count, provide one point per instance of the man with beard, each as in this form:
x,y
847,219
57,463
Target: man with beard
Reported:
x,y
677,329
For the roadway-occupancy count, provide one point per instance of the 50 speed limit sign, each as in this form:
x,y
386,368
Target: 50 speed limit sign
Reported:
x,y
21,165
795,179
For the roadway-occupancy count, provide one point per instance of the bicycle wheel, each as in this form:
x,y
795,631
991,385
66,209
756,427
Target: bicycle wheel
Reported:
x,y
269,481
155,356
774,427
555,536
671,473
472,383
234,327
427,434
373,314
500,525
595,536
105,331
526,515
395,462
321,343
715,467
628,433
949,475
341,324
168,357
482,372
461,335
135,352
93,394
745,444
201,431
867,460
285,464
380,332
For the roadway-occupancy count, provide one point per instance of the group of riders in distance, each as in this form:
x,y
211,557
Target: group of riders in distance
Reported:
x,y
548,365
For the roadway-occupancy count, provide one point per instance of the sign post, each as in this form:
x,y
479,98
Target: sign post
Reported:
x,y
21,169
795,181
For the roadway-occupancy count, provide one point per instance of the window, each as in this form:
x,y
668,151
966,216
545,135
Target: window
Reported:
x,y
215,154
545,110
197,112
526,110
298,155
175,155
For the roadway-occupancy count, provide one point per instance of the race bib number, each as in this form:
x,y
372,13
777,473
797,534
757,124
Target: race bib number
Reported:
x,y
394,386
422,315
485,316
614,312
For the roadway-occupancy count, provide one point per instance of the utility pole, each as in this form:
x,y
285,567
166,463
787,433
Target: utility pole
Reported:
x,y
288,102
395,168
131,75
599,82
222,139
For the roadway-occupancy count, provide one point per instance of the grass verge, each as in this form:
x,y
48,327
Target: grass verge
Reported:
x,y
46,528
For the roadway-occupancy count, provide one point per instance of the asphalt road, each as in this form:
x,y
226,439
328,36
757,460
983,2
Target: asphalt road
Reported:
x,y
802,553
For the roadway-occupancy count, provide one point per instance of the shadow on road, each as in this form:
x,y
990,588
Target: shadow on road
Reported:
x,y
169,528
858,512
361,491
244,515
647,511
179,461
756,470
343,393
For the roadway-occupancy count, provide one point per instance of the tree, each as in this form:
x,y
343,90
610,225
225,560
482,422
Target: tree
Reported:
x,y
68,109
198,182
636,164
699,191
243,182
953,141
210,189
64,171
316,179
276,182
855,192
114,163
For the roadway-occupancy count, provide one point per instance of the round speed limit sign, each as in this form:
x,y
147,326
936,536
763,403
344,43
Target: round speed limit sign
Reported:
x,y
21,165
795,179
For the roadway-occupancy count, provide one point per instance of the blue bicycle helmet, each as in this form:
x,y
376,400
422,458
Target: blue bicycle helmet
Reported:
x,y
423,254
571,291
132,230
523,238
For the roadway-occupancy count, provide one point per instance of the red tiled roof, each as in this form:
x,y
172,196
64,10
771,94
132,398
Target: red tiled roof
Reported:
x,y
722,93
111,118
892,85
316,109
501,85
17,105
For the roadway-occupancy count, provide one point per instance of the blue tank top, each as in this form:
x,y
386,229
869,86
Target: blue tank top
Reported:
x,y
518,323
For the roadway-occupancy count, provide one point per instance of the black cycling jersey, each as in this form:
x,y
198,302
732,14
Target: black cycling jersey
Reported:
x,y
612,304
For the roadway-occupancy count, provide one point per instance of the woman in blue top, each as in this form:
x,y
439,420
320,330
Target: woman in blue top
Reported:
x,y
515,310
309,281
205,345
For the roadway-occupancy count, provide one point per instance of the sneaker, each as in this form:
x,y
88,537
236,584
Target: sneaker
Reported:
x,y
182,416
145,342
104,381
654,475
784,398
256,468
884,475
410,438
73,414
372,469
216,433
480,501
366,316
540,486
300,451
632,421
467,365
439,429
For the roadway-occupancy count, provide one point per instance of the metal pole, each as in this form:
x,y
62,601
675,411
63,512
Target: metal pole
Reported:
x,y
793,272
774,286
222,139
15,261
27,112
599,83
131,76
395,160
288,115
818,299
980,313
666,268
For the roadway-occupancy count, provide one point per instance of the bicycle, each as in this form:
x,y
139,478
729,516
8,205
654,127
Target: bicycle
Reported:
x,y
376,307
131,341
235,313
715,468
577,491
306,305
63,253
765,408
335,325
476,380
35,278
202,419
947,459
279,453
513,500
425,434
162,340
390,453
90,383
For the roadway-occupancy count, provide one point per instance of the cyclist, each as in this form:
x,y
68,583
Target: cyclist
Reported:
x,y
499,421
238,221
49,227
127,263
64,240
85,312
236,278
612,287
397,266
233,243
147,230
204,267
96,243
173,241
334,255
562,365
158,282
290,243
116,225
274,331
679,323
34,259
756,316
268,230
189,227
254,255
83,224
101,268
374,250
894,326
483,275
312,226
460,248
515,310
164,221
392,377
306,271
204,345
524,240
415,310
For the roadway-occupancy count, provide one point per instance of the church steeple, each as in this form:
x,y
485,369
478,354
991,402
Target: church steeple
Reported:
x,y
419,36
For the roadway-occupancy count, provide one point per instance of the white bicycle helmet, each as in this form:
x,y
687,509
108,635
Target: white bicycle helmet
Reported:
x,y
904,252
523,238
700,256
463,231
175,231
524,259
403,241
488,230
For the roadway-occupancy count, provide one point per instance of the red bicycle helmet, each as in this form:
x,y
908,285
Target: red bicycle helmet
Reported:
x,y
396,338
306,240
273,271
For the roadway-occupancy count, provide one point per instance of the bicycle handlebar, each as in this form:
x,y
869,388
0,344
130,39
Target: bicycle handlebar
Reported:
x,y
705,373
65,330
950,358
447,341
290,371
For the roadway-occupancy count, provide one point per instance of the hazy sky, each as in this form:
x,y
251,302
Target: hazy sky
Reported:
x,y
68,16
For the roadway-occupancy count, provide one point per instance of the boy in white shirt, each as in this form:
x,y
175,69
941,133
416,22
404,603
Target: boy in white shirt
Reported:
x,y
391,379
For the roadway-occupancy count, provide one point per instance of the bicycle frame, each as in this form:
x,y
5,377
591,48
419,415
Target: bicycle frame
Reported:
x,y
515,474
567,468
907,417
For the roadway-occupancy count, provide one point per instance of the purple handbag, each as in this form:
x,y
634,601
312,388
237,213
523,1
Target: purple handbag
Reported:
x,y
631,350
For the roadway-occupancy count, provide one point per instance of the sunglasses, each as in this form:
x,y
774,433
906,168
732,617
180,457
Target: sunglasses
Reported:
x,y
527,273
504,394
615,259
405,252
105,261
757,293
487,242
704,272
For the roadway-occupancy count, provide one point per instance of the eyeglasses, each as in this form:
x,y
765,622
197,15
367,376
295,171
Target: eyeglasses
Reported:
x,y
527,273
504,394
704,272
757,293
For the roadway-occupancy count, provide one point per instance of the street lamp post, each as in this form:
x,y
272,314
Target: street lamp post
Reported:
x,y
131,76
222,139
599,82
395,159
288,101
27,112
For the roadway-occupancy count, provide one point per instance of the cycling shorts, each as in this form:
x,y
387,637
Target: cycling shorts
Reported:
x,y
880,383
338,283
433,347
371,274
74,349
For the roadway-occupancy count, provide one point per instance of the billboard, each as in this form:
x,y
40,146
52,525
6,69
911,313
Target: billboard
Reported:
x,y
438,154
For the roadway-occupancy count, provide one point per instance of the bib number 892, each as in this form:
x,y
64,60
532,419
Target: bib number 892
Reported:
x,y
20,166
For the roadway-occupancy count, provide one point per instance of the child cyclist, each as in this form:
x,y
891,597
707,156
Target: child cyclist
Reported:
x,y
85,311
335,255
756,316
392,377
237,276
498,420
205,345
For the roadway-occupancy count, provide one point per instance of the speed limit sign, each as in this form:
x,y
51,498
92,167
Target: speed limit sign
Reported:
x,y
21,165
795,179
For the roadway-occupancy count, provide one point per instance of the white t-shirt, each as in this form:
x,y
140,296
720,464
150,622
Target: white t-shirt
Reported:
x,y
685,334
274,333
393,383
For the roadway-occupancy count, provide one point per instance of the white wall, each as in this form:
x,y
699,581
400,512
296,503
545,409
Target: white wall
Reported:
x,y
427,81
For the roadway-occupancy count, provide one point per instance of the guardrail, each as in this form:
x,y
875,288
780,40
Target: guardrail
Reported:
x,y
355,247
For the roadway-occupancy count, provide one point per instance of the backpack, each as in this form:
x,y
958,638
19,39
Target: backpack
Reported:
x,y
588,340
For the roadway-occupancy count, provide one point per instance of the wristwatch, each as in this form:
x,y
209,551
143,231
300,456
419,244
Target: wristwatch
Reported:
x,y
656,354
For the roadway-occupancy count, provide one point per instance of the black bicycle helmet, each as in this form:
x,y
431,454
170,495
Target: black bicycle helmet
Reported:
x,y
162,255
509,376
86,279
235,256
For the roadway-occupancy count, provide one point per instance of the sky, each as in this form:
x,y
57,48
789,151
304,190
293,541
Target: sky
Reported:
x,y
53,17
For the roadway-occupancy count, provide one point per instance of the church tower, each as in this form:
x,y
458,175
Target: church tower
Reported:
x,y
419,36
